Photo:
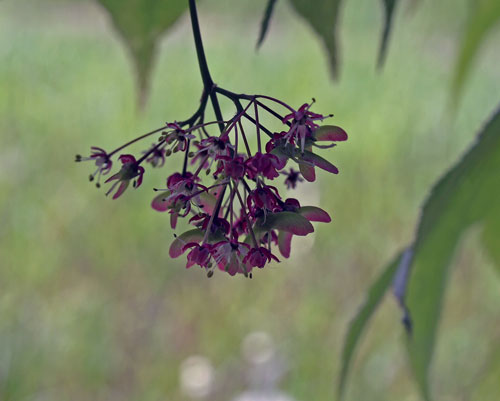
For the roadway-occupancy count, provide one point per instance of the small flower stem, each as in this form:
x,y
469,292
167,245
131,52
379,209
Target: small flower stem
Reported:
x,y
186,156
252,120
137,139
208,83
153,149
272,99
244,138
257,125
272,112
200,166
246,216
215,212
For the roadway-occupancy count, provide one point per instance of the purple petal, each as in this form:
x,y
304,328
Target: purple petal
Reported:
x,y
173,219
320,162
307,171
285,243
160,202
330,133
141,174
113,177
313,213
177,247
207,201
121,189
287,221
127,159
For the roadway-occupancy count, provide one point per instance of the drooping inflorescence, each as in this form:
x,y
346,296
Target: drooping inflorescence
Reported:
x,y
222,187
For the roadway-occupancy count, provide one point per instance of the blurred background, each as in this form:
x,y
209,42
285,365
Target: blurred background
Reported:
x,y
91,305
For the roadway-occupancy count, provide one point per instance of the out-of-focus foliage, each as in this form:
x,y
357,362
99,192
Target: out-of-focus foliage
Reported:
x,y
141,23
358,324
322,15
91,305
264,27
468,194
484,15
389,7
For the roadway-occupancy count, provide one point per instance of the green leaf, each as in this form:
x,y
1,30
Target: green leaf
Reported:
x,y
285,221
484,16
140,24
468,194
265,21
322,16
180,241
330,133
490,237
360,321
389,6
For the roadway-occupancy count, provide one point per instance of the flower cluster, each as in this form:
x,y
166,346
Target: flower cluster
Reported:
x,y
223,186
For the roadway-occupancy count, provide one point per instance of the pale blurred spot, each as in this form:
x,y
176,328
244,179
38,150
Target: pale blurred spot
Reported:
x,y
308,193
258,348
301,248
263,396
12,165
197,377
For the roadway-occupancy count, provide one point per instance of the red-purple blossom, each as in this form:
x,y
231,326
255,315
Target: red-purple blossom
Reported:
x,y
238,217
102,161
229,256
258,257
265,164
182,191
199,255
302,125
177,137
130,170
233,167
263,198
292,178
156,157
219,225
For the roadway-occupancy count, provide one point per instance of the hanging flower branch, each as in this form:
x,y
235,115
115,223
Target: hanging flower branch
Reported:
x,y
222,187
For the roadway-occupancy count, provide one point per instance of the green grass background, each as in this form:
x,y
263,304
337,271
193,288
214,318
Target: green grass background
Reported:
x,y
91,305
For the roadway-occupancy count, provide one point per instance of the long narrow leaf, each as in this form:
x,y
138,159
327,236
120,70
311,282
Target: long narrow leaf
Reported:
x,y
389,6
264,27
359,323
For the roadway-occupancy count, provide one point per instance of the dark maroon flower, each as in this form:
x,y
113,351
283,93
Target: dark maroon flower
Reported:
x,y
219,225
264,198
264,164
102,161
199,255
302,125
292,178
258,257
182,191
233,167
229,256
157,157
177,137
130,170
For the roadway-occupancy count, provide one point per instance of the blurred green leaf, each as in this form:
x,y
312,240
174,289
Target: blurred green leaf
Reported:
x,y
468,194
389,6
490,237
322,16
264,27
285,221
177,247
358,324
485,14
141,23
